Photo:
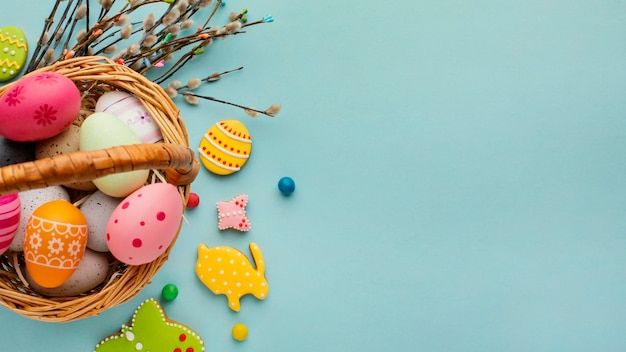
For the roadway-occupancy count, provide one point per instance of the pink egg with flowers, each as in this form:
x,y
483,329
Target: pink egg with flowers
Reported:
x,y
39,106
145,223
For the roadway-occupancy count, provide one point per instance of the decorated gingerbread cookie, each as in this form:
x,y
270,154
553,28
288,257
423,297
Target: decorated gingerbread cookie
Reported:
x,y
225,147
13,52
227,271
232,214
150,330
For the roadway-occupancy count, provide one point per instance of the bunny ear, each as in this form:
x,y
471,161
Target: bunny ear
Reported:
x,y
257,256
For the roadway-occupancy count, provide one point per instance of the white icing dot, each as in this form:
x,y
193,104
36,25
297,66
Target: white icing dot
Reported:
x,y
11,72
4,70
213,280
262,283
221,272
247,273
139,346
229,292
238,284
130,336
219,260
225,283
12,52
6,50
232,261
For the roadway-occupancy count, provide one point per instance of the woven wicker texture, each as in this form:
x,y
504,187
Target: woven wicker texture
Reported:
x,y
94,76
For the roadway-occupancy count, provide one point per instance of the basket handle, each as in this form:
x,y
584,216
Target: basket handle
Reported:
x,y
178,161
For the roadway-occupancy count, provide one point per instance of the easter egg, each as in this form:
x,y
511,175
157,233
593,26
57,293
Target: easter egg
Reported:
x,y
102,130
12,152
91,272
55,241
10,209
38,107
132,112
145,223
31,200
97,210
13,52
225,147
63,143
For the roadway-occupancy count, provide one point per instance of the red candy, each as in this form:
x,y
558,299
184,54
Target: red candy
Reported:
x,y
193,200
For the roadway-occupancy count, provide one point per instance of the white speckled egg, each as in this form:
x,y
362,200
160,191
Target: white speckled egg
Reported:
x,y
66,142
131,111
97,210
91,272
12,152
31,200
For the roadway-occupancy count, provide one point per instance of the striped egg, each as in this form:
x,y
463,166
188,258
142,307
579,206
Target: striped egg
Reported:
x,y
13,52
130,110
10,209
225,147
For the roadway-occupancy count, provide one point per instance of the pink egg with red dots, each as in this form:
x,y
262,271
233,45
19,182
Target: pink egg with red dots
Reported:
x,y
145,223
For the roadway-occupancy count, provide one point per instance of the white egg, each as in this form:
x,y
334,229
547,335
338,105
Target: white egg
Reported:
x,y
12,152
97,210
91,272
130,110
31,200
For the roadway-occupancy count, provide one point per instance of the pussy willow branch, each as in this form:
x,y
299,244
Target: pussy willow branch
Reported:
x,y
47,23
206,97
74,22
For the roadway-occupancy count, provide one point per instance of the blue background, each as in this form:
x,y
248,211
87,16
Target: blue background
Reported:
x,y
460,180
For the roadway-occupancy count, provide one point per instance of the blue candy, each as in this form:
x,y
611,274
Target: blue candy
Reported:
x,y
286,185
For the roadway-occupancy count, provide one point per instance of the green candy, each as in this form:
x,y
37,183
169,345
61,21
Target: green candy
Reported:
x,y
169,292
150,330
13,52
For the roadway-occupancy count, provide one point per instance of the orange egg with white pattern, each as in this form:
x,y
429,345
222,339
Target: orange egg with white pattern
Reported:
x,y
54,243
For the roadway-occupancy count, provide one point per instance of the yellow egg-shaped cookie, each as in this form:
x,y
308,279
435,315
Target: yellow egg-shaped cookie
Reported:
x,y
225,147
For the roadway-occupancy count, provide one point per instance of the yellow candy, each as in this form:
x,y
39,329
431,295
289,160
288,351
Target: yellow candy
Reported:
x,y
225,147
240,332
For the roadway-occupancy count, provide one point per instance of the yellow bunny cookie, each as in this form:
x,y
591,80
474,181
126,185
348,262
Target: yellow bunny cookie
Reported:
x,y
227,271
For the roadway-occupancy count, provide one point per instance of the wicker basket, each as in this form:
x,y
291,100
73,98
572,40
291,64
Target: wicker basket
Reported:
x,y
95,76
